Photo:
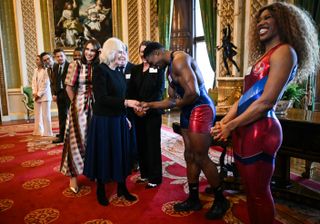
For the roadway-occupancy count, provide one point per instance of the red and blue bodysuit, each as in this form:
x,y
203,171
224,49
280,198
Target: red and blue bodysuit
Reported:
x,y
199,116
256,144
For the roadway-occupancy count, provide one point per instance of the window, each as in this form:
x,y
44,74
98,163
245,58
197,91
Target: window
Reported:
x,y
200,49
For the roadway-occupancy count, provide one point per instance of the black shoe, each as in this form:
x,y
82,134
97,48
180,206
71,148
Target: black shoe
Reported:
x,y
57,141
218,209
151,185
123,191
103,200
101,195
188,205
127,196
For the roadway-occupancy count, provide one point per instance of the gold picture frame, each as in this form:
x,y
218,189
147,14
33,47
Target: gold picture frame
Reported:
x,y
49,32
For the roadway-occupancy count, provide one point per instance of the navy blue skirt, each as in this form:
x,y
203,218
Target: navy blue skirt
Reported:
x,y
109,153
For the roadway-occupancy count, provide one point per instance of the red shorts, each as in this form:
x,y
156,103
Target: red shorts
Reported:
x,y
201,119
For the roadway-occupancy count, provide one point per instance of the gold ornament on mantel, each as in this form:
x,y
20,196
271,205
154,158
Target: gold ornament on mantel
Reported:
x,y
233,96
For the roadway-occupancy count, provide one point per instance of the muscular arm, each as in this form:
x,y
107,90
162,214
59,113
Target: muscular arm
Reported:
x,y
166,103
282,62
187,80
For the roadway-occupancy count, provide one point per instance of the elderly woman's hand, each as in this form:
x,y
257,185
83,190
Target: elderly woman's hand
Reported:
x,y
133,104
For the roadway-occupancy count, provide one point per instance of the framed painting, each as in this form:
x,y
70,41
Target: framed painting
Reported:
x,y
76,21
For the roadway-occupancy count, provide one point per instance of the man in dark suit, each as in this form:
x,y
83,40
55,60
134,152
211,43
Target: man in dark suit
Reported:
x,y
60,70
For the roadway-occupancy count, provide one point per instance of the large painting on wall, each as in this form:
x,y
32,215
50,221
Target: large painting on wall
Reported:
x,y
76,21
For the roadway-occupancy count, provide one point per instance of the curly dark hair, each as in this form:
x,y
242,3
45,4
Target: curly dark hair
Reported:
x,y
151,47
296,28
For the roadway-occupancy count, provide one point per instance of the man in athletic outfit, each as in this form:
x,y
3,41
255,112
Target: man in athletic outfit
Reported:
x,y
187,92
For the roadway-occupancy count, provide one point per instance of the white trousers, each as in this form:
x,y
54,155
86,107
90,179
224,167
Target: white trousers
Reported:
x,y
42,119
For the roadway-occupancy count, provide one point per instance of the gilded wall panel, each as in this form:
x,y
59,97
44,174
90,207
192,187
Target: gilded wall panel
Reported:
x,y
30,35
143,19
47,24
154,31
133,30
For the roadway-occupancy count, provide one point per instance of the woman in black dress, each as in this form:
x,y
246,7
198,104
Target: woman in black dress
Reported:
x,y
108,154
147,84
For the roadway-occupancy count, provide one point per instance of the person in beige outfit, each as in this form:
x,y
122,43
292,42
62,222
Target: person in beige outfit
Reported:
x,y
42,100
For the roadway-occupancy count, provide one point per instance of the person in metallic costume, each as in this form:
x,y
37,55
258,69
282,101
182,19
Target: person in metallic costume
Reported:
x,y
285,42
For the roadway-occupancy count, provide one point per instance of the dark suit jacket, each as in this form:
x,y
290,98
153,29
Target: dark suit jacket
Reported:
x,y
127,71
148,86
109,89
57,79
128,68
51,77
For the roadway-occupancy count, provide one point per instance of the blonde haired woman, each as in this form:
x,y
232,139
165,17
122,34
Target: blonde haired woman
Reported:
x,y
108,155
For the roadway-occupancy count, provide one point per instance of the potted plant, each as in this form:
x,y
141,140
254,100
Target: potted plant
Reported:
x,y
292,96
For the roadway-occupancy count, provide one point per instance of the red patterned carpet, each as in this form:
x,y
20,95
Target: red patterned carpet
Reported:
x,y
33,191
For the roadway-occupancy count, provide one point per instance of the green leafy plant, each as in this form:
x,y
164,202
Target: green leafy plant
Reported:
x,y
294,92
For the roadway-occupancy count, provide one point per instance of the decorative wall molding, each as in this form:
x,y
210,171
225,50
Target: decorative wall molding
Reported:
x,y
143,19
30,36
154,30
47,24
133,30
117,19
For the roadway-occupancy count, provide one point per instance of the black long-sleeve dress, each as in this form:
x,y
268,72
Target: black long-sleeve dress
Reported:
x,y
108,155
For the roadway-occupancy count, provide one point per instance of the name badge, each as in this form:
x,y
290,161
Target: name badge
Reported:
x,y
128,76
153,70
